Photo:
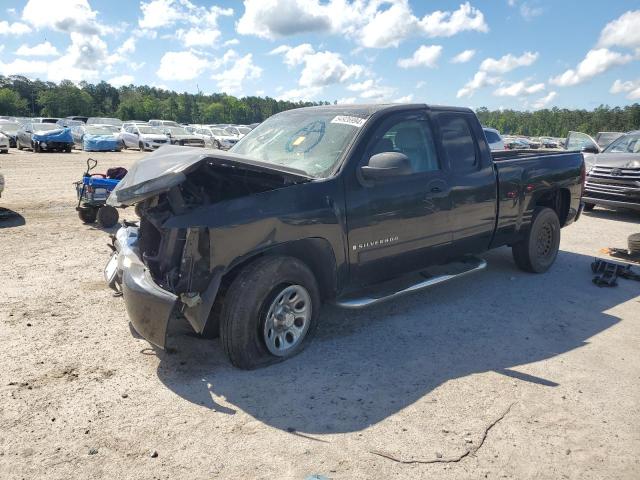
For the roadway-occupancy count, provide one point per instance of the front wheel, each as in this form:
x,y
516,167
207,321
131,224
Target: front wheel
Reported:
x,y
216,144
270,312
107,216
141,146
537,252
88,214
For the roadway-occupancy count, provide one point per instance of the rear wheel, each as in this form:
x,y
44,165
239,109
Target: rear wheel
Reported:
x,y
88,214
537,252
36,148
19,145
216,144
589,206
68,149
141,146
107,216
270,312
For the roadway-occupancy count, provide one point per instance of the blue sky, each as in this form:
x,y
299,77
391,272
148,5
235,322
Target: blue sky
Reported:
x,y
521,54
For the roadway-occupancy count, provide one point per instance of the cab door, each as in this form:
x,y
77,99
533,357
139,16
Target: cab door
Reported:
x,y
582,142
400,224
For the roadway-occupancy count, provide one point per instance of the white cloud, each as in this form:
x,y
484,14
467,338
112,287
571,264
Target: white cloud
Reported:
x,y
421,84
121,80
320,68
447,24
544,101
529,12
371,90
595,62
326,68
361,86
293,55
479,80
508,62
202,23
233,41
301,94
346,101
630,87
424,56
128,46
463,57
622,32
518,89
179,66
23,67
405,99
63,16
374,24
15,28
231,80
44,49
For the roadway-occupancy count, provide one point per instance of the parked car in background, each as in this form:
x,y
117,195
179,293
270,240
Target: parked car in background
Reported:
x,y
237,131
219,137
180,136
143,137
97,138
494,139
548,142
4,143
1,184
44,120
10,129
80,119
104,121
68,122
613,173
516,144
163,123
44,136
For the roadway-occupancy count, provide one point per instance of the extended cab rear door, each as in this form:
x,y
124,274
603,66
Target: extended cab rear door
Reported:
x,y
473,193
582,143
398,225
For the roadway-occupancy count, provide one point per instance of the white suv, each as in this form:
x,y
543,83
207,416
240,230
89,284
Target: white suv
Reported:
x,y
494,139
143,137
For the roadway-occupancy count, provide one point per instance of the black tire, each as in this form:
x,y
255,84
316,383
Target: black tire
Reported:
x,y
244,310
107,216
216,144
19,145
141,146
36,148
589,206
88,214
68,149
537,252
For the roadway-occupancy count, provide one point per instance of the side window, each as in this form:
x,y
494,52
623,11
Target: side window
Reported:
x,y
492,137
414,138
578,141
458,143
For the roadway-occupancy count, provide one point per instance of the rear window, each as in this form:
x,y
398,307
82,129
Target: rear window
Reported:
x,y
492,137
458,142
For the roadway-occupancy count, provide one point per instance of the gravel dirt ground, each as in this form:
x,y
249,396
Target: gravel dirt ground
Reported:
x,y
501,374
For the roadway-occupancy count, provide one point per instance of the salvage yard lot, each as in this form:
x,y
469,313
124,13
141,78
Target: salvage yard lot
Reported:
x,y
501,374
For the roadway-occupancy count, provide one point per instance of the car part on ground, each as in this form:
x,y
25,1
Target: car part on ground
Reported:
x,y
607,273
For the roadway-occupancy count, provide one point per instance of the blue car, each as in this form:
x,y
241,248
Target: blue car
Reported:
x,y
97,138
42,137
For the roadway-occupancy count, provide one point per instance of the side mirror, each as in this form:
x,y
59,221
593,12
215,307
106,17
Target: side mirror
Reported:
x,y
386,165
590,149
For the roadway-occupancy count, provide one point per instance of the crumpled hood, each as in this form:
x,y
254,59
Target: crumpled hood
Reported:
x,y
57,135
168,166
617,160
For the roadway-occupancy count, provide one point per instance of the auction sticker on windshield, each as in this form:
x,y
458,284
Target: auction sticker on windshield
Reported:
x,y
349,120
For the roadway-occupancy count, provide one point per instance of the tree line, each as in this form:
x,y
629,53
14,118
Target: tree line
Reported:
x,y
21,96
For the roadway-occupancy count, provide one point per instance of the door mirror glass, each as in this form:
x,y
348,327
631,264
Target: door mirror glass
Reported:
x,y
386,165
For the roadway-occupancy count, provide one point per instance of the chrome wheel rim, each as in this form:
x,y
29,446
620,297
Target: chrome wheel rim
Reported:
x,y
287,320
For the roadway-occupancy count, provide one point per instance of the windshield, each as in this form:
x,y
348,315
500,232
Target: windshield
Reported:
x,y
177,130
244,130
45,126
308,140
9,127
106,130
629,143
219,132
149,130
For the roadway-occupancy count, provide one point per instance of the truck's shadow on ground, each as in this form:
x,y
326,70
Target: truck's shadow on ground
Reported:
x,y
10,218
365,366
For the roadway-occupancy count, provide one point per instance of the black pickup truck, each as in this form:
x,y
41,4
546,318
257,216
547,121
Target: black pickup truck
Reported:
x,y
345,204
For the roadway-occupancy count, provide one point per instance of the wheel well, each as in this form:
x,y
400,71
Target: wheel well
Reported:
x,y
315,253
559,201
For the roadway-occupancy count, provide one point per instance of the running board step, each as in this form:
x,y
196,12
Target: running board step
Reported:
x,y
409,284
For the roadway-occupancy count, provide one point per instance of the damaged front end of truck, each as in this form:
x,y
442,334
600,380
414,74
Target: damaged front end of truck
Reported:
x,y
166,265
